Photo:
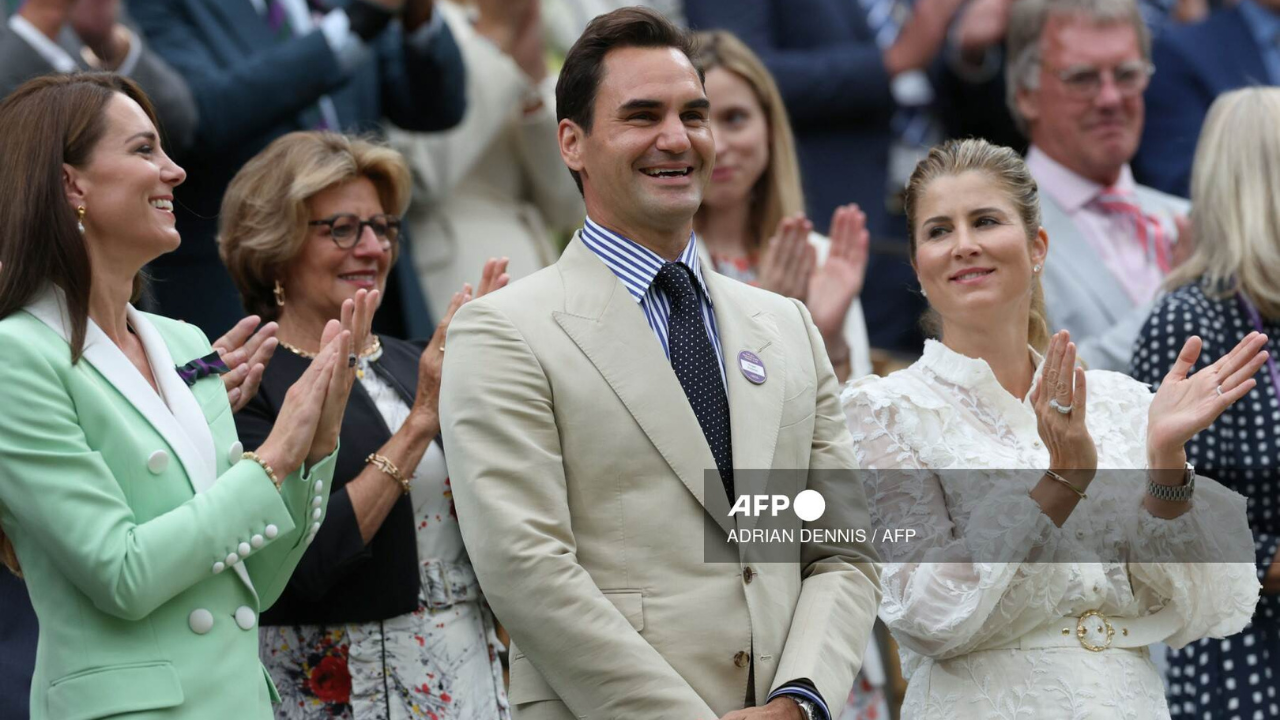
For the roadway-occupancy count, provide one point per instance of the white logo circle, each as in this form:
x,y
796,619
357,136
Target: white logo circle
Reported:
x,y
809,505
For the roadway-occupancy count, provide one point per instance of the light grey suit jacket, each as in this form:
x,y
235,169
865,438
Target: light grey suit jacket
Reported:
x,y
1083,297
577,467
19,62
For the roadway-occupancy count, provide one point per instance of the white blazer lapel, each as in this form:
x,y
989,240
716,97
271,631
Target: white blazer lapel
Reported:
x,y
182,406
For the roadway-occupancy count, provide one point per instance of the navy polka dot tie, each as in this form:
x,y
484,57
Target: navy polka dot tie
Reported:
x,y
694,359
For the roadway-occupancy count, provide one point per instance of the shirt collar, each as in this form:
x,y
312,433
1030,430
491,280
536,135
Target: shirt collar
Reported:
x,y
634,264
1263,24
1068,189
971,373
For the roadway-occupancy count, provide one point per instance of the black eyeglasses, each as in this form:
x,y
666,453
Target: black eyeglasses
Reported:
x,y
345,229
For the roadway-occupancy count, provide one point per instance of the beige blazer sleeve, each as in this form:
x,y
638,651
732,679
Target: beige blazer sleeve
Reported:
x,y
509,487
840,593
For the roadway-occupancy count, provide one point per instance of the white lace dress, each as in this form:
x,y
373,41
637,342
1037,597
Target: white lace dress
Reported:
x,y
987,566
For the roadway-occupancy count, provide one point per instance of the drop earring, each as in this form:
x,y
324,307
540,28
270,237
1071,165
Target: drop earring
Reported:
x,y
80,219
923,292
279,293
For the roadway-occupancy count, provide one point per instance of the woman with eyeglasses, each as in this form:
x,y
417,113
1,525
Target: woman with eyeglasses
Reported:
x,y
383,617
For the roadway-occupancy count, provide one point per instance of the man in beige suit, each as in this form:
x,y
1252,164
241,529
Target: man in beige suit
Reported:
x,y
582,406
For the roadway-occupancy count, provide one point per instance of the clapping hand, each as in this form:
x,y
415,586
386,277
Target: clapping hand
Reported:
x,y
246,354
357,317
836,283
426,402
294,431
1186,404
1060,402
789,259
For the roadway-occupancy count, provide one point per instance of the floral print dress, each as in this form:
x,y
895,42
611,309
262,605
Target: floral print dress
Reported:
x,y
439,662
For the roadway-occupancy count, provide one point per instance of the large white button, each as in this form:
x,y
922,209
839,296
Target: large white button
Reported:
x,y
200,620
245,617
219,567
310,538
319,485
317,501
256,541
234,453
315,514
315,528
158,461
244,549
232,559
271,532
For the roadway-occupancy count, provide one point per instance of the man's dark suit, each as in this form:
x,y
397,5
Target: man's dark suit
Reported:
x,y
1194,65
19,62
251,88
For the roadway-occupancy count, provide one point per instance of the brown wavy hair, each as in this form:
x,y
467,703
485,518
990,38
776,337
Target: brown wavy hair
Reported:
x,y
1007,168
47,122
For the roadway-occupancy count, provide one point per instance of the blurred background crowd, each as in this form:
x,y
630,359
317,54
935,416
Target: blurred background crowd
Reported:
x,y
820,110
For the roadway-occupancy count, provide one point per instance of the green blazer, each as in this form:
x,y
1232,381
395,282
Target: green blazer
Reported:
x,y
148,546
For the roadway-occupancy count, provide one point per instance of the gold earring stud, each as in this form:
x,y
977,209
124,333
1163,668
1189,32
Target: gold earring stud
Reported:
x,y
279,293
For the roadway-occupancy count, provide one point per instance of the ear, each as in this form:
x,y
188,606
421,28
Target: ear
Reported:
x,y
1028,102
1040,248
72,185
571,136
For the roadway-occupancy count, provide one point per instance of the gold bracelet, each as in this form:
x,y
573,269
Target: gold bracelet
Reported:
x,y
388,467
1064,481
267,468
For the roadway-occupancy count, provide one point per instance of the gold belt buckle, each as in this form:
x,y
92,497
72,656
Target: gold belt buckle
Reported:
x,y
1082,631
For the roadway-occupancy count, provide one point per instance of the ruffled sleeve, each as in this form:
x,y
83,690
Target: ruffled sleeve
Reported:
x,y
947,594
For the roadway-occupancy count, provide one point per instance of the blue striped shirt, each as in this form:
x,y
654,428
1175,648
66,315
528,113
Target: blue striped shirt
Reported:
x,y
637,266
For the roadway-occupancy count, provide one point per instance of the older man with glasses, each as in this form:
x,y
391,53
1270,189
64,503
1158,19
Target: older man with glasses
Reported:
x,y
1076,72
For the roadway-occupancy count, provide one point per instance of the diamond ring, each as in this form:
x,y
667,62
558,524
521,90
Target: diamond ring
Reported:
x,y
1064,409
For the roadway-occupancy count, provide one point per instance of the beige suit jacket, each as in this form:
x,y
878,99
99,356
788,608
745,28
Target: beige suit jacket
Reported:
x,y
577,470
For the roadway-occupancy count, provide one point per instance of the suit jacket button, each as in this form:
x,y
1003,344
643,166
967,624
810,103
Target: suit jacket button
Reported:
x,y
245,617
256,541
200,620
742,659
232,558
235,452
244,549
158,461
271,531
748,574
219,567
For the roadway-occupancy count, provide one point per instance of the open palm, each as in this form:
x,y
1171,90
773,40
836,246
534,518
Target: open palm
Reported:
x,y
1186,404
837,282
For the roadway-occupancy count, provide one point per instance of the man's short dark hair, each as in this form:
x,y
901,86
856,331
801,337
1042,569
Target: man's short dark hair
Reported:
x,y
583,68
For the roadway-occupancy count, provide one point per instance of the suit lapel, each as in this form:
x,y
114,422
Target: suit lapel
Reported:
x,y
1076,258
609,327
755,411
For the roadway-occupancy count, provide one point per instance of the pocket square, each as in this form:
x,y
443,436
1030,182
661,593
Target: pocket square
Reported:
x,y
210,364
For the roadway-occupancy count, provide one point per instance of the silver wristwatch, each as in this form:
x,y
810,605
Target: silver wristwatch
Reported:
x,y
806,707
1174,493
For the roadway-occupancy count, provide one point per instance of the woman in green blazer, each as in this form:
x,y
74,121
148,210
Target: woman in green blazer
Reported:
x,y
149,542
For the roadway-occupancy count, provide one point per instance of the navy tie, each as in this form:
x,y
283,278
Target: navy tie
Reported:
x,y
698,368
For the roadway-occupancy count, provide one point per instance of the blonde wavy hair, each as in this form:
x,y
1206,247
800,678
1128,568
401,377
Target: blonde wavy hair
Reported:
x,y
1006,167
264,217
1235,194
777,194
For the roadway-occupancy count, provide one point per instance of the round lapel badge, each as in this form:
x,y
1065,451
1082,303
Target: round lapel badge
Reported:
x,y
752,367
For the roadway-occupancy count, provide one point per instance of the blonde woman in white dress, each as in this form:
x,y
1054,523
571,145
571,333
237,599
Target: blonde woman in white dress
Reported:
x,y
1023,594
